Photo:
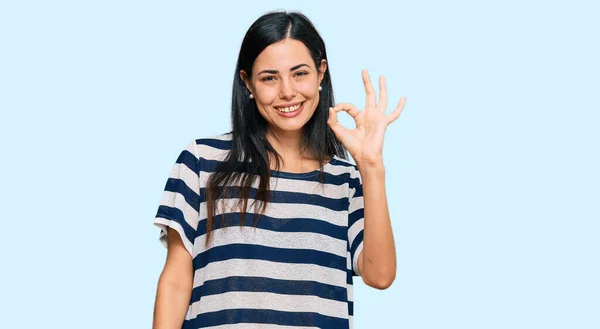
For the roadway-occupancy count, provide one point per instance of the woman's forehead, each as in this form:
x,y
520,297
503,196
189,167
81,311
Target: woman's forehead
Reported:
x,y
282,56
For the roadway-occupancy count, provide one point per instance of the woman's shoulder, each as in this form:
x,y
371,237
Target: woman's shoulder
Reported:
x,y
345,171
212,147
343,165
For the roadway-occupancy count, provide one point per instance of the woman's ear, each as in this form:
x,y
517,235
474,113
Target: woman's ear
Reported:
x,y
322,69
244,78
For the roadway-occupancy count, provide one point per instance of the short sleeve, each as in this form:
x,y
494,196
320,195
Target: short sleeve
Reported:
x,y
180,201
356,221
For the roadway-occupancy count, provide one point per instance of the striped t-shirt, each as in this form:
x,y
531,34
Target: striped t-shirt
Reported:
x,y
294,270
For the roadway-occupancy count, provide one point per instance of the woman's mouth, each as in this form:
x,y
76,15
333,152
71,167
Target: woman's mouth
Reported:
x,y
291,111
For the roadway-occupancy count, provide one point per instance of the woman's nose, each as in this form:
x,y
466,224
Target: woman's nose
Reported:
x,y
287,90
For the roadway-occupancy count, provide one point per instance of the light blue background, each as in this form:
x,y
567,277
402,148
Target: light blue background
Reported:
x,y
492,168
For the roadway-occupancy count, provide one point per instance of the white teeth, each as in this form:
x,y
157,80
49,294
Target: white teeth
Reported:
x,y
288,109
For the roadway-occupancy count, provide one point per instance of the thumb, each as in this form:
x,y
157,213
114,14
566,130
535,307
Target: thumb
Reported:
x,y
332,117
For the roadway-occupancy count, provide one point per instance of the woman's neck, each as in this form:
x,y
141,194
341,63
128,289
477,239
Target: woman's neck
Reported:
x,y
287,144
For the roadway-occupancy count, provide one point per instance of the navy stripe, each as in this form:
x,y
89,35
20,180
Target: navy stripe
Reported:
x,y
211,165
215,143
353,182
297,224
227,143
288,197
349,276
350,308
277,286
189,160
179,186
282,255
308,319
176,215
358,191
355,216
357,240
343,163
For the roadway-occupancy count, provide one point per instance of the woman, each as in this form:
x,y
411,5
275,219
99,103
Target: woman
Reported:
x,y
267,225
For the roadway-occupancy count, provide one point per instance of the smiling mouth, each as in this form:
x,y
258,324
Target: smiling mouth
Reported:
x,y
289,109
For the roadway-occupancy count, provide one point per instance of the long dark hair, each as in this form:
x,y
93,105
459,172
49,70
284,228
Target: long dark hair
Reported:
x,y
250,149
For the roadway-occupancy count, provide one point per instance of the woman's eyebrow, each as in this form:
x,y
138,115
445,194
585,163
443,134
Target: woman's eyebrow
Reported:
x,y
275,71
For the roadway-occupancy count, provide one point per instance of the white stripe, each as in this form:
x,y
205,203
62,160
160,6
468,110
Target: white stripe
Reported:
x,y
256,325
355,260
211,153
294,185
184,173
355,229
354,173
269,269
356,203
285,210
350,292
291,240
163,223
177,200
348,260
268,301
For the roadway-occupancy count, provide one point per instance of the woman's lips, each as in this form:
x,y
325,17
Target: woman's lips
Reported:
x,y
291,114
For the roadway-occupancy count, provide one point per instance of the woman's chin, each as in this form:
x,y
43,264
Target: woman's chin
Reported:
x,y
289,128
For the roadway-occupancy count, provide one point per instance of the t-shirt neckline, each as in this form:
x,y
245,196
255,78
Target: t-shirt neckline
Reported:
x,y
278,173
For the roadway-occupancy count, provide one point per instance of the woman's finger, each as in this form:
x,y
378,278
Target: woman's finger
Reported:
x,y
348,107
382,103
369,90
396,113
339,130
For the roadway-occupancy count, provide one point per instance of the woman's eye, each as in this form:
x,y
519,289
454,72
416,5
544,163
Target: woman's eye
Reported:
x,y
302,73
268,78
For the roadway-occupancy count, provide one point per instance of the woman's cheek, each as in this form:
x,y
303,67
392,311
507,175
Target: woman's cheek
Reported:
x,y
309,89
267,95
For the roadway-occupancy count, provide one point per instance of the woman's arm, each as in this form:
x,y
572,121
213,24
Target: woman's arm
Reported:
x,y
377,261
174,285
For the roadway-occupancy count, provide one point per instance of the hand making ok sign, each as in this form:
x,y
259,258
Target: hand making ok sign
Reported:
x,y
365,142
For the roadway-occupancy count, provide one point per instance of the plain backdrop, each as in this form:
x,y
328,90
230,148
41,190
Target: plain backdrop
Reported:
x,y
491,170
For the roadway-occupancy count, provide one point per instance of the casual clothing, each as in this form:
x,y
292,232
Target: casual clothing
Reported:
x,y
294,270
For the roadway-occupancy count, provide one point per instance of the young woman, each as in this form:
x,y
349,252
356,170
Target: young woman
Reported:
x,y
267,225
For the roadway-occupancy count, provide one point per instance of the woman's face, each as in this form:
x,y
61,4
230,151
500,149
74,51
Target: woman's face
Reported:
x,y
285,85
